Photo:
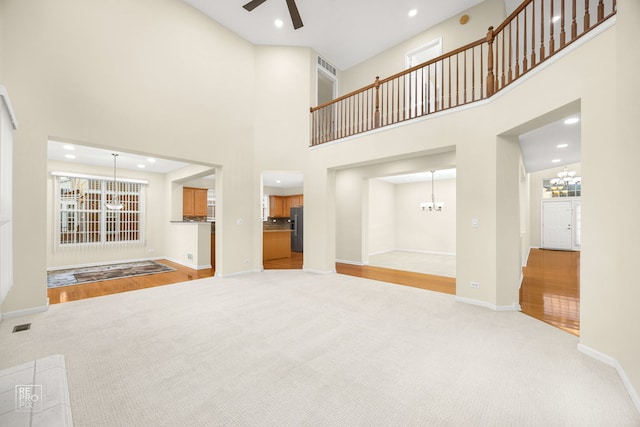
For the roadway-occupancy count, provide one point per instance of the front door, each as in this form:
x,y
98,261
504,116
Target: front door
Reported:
x,y
557,220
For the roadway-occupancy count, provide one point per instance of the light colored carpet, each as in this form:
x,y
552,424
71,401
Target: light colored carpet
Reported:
x,y
290,348
436,264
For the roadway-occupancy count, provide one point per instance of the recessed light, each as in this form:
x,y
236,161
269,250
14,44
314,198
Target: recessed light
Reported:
x,y
278,181
413,12
150,160
70,156
68,147
571,121
562,145
555,18
278,23
141,166
556,161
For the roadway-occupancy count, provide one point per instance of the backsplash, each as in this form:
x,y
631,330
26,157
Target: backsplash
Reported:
x,y
276,223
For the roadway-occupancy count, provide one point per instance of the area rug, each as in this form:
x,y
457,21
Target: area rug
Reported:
x,y
77,276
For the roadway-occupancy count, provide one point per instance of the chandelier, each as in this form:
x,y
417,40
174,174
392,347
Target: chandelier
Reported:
x,y
114,204
432,206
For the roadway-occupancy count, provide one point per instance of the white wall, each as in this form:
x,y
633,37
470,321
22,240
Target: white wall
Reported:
x,y
382,219
153,245
424,231
453,34
189,238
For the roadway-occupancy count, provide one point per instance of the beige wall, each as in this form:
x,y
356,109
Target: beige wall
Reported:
x,y
382,219
425,231
151,86
453,34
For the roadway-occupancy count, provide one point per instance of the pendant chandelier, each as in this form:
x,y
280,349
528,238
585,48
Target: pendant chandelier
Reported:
x,y
432,206
114,204
565,178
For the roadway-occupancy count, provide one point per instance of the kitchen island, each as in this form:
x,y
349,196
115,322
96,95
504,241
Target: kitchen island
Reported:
x,y
276,243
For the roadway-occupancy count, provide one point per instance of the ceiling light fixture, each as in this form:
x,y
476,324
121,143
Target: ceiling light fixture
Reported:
x,y
114,204
562,145
278,23
432,205
70,156
413,12
141,166
556,160
68,147
571,121
150,160
562,183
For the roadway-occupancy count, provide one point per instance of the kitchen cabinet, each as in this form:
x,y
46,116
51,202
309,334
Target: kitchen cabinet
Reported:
x,y
276,244
279,206
194,201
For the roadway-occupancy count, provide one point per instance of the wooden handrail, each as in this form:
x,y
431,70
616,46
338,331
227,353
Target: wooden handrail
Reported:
x,y
476,71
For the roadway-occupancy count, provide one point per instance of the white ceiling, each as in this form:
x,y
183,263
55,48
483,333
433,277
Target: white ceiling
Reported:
x,y
344,32
419,177
540,146
98,157
282,179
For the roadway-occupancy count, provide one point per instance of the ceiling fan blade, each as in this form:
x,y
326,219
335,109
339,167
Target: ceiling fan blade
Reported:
x,y
295,15
253,4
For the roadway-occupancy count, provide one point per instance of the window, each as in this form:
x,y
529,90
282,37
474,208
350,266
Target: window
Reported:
x,y
83,217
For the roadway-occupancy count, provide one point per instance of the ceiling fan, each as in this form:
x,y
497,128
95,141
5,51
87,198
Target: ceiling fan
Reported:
x,y
291,4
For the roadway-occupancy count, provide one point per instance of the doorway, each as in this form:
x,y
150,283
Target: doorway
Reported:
x,y
282,220
561,224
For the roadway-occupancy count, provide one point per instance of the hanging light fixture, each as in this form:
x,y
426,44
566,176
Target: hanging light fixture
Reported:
x,y
432,205
114,204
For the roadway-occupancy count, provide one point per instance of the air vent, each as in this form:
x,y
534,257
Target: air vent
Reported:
x,y
326,66
20,328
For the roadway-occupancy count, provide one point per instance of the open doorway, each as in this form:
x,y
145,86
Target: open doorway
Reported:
x,y
283,220
405,231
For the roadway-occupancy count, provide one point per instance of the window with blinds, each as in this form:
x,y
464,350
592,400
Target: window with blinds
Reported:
x,y
83,217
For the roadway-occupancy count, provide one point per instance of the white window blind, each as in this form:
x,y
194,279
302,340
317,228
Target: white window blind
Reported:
x,y
84,219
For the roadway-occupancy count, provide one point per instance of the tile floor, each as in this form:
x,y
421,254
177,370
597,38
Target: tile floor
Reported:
x,y
35,394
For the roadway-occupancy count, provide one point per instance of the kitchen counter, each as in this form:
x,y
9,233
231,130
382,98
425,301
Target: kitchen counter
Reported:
x,y
276,244
278,230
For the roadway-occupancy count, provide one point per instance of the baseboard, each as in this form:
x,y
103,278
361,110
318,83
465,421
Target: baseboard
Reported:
x,y
604,358
203,267
344,261
415,251
485,304
67,267
239,273
311,270
182,263
24,312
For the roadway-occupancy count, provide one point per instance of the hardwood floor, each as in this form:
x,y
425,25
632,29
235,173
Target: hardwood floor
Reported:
x,y
442,284
293,263
107,287
550,290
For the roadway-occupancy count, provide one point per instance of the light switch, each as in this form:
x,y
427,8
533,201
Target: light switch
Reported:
x,y
475,223
239,221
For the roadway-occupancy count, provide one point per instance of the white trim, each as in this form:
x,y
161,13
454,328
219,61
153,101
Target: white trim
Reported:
x,y
24,312
324,272
203,267
485,304
104,178
93,264
239,273
582,40
415,251
344,261
604,358
5,98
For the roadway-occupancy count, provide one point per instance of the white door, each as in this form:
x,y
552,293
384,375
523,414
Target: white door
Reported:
x,y
557,220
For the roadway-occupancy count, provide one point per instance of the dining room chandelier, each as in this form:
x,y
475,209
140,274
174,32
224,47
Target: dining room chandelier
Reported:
x,y
432,206
114,203
564,179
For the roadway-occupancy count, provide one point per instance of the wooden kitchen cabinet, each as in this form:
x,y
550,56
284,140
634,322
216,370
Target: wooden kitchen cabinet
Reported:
x,y
194,201
276,244
279,206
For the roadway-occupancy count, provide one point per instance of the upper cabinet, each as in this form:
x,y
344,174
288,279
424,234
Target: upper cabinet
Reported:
x,y
279,206
194,201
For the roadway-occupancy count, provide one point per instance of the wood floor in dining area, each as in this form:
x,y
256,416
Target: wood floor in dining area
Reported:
x,y
114,286
550,289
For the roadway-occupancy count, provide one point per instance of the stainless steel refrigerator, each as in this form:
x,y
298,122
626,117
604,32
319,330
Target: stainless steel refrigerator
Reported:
x,y
297,223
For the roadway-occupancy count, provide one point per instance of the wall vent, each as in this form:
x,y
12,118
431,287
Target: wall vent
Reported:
x,y
326,66
23,327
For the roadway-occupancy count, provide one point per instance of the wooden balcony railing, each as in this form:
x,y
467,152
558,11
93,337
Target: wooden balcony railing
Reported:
x,y
534,32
